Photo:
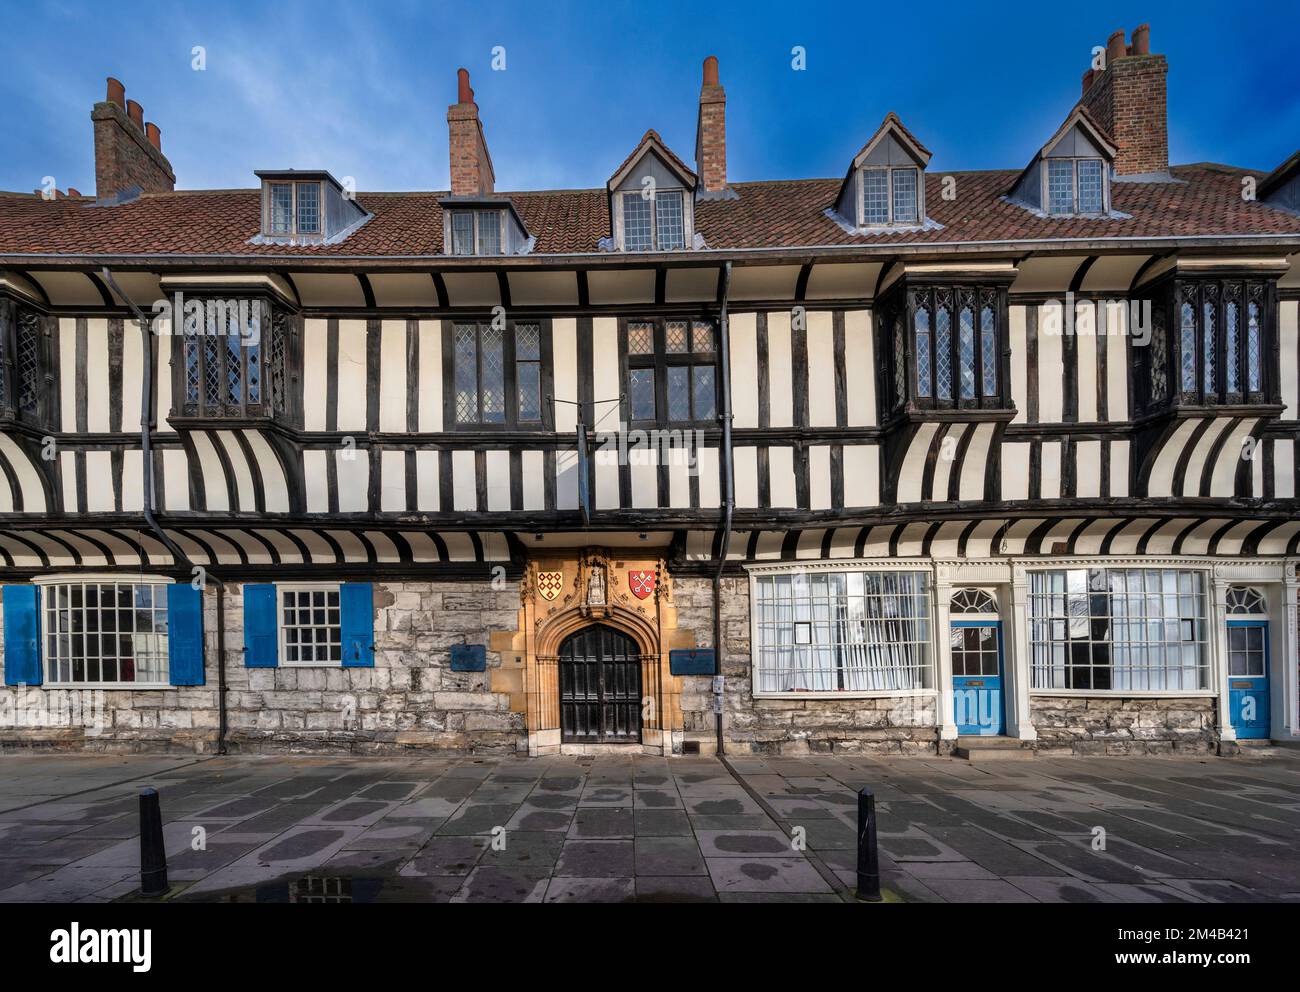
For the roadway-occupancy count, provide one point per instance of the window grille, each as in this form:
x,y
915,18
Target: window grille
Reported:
x,y
636,223
310,626
105,633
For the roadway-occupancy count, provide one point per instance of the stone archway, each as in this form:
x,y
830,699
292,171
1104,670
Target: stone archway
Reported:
x,y
561,595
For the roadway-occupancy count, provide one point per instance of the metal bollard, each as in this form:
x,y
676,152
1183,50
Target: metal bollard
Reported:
x,y
153,855
868,859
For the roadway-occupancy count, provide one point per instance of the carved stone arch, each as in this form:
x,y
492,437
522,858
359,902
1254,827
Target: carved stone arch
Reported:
x,y
557,626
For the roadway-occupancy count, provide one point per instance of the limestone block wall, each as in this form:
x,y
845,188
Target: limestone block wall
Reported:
x,y
1104,725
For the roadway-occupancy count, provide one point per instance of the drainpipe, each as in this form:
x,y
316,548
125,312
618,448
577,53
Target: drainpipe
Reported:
x,y
728,491
146,457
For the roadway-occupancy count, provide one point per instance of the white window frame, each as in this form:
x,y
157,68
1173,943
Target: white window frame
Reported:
x,y
293,232
475,216
1210,663
923,565
1074,186
47,581
281,645
918,221
688,225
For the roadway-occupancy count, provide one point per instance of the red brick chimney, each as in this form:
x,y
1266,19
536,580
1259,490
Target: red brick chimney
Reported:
x,y
128,152
711,134
1127,98
471,165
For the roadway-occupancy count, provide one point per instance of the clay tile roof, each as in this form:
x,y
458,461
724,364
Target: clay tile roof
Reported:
x,y
1205,200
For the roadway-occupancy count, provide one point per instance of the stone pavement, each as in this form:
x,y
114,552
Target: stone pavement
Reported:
x,y
616,829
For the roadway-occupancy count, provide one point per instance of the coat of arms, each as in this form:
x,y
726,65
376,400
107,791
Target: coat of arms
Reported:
x,y
641,581
550,584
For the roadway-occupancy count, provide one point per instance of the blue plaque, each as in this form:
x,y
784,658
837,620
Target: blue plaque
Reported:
x,y
691,661
469,657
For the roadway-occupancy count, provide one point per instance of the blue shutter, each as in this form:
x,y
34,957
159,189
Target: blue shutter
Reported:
x,y
261,643
22,635
185,634
357,621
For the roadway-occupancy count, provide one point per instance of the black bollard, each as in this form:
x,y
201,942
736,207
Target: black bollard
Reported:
x,y
868,859
153,855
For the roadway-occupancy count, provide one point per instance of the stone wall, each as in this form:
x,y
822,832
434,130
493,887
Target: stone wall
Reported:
x,y
410,699
1104,725
786,726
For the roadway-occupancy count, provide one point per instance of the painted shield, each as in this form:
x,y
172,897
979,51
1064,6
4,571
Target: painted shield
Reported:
x,y
641,581
549,584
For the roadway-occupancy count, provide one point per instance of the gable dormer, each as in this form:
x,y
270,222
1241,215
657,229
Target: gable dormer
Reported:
x,y
1070,176
1281,187
885,187
306,207
651,200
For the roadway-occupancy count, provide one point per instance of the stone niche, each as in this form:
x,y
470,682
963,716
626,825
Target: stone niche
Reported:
x,y
563,593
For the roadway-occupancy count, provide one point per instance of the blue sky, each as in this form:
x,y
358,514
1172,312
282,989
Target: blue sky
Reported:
x,y
362,89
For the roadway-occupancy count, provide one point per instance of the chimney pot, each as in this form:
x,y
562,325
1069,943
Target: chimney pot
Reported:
x,y
1142,39
1087,79
1115,47
121,162
153,134
463,93
73,191
711,71
136,113
116,92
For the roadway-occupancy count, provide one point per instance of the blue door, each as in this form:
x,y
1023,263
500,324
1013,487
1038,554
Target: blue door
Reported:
x,y
1248,702
977,678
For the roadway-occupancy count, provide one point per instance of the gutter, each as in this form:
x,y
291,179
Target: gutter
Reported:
x,y
729,500
146,458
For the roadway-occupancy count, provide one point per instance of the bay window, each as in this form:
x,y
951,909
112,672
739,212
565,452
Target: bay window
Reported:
x,y
23,336
848,630
105,633
1119,630
956,347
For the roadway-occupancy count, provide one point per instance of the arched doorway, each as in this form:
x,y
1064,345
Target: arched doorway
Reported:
x,y
600,687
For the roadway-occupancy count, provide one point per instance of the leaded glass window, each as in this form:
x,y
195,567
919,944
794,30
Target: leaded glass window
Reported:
x,y
943,350
1187,338
923,387
989,348
904,181
671,370
890,196
1060,186
966,351
1158,348
308,208
846,630
1091,195
528,370
669,225
222,364
1210,347
1119,630
28,364
293,208
282,208
1232,345
875,197
489,232
636,223
1254,348
462,232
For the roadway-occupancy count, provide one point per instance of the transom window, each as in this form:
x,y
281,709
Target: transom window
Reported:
x,y
973,601
1076,186
310,626
654,223
841,631
1221,341
293,208
497,373
1137,629
956,346
671,371
476,232
107,633
1245,601
890,196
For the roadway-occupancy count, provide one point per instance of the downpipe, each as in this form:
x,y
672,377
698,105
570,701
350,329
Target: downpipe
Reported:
x,y
728,505
146,456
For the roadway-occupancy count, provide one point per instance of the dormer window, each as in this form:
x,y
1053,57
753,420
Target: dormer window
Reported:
x,y
650,202
885,187
302,207
889,196
1076,186
294,208
653,224
476,232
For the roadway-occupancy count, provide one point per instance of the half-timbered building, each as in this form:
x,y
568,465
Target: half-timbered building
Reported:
x,y
933,459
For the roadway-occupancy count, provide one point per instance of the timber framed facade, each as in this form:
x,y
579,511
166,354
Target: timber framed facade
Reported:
x,y
838,465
